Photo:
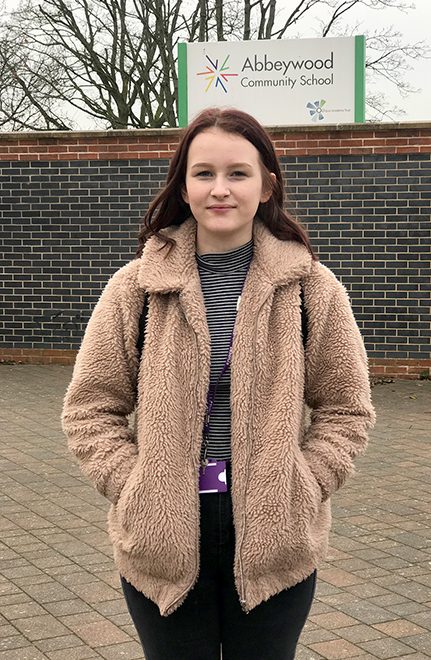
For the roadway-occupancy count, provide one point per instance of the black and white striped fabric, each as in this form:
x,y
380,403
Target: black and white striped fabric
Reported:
x,y
222,276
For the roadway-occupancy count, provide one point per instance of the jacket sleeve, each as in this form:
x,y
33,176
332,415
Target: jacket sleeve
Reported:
x,y
100,396
337,389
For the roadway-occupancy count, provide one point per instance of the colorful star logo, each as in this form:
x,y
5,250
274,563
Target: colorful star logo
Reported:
x,y
315,109
214,72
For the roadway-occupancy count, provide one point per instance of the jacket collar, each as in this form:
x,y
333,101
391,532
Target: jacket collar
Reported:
x,y
277,262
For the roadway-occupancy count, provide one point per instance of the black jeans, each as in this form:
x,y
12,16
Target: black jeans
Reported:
x,y
211,616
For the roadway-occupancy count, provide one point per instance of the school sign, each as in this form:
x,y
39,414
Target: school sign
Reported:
x,y
280,82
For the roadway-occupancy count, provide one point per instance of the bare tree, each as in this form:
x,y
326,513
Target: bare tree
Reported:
x,y
219,19
115,60
388,59
26,98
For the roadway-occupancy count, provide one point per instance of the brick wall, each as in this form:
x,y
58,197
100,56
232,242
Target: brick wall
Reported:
x,y
71,203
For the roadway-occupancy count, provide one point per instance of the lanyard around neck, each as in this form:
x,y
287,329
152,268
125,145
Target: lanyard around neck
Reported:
x,y
212,390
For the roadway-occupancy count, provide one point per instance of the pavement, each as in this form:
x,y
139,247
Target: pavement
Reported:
x,y
60,596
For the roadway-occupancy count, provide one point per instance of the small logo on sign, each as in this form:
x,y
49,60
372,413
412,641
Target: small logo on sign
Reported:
x,y
215,73
316,110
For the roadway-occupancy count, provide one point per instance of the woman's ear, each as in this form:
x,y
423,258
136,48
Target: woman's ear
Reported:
x,y
266,194
184,194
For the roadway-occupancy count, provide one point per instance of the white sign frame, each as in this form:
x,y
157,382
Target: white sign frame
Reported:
x,y
281,82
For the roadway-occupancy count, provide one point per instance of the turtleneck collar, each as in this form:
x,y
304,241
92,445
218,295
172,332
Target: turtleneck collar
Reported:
x,y
236,259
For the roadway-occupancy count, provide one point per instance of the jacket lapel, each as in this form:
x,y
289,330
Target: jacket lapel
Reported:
x,y
275,263
163,273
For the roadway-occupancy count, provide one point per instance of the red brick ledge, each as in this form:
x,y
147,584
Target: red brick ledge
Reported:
x,y
37,356
400,369
404,369
341,139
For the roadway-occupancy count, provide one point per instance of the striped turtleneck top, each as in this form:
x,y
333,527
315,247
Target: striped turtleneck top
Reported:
x,y
222,275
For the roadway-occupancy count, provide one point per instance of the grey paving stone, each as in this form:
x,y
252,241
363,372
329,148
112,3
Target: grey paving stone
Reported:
x,y
386,647
81,653
24,570
61,642
303,653
419,642
413,656
40,627
63,607
48,592
13,599
387,599
359,633
422,618
111,607
27,653
368,613
37,579
127,651
407,608
22,610
7,630
319,635
417,592
13,641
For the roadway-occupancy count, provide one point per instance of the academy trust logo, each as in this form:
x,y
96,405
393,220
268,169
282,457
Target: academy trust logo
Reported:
x,y
315,110
213,72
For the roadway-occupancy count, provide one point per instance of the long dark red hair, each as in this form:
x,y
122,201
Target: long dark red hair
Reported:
x,y
169,208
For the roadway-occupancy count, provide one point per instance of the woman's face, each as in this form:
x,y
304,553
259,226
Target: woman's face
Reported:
x,y
223,188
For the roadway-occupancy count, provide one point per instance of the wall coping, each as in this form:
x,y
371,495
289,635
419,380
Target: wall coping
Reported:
x,y
164,132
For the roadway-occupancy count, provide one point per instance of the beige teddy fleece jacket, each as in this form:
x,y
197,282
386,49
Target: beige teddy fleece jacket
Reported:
x,y
283,473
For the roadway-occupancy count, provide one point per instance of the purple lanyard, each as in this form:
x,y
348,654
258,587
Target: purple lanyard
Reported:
x,y
213,390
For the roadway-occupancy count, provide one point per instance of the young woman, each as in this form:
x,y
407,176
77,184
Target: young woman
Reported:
x,y
220,494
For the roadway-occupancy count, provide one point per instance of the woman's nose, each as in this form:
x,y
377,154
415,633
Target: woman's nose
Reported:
x,y
220,188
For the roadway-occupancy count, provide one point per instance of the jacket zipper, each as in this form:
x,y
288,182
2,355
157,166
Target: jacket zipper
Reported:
x,y
243,601
195,576
242,598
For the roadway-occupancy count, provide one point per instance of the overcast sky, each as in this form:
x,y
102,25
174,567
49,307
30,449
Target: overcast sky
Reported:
x,y
415,25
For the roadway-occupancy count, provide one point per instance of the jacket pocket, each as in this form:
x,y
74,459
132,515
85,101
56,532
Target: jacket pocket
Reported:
x,y
128,518
124,505
157,533
309,480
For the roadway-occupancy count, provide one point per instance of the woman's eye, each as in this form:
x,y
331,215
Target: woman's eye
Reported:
x,y
207,173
